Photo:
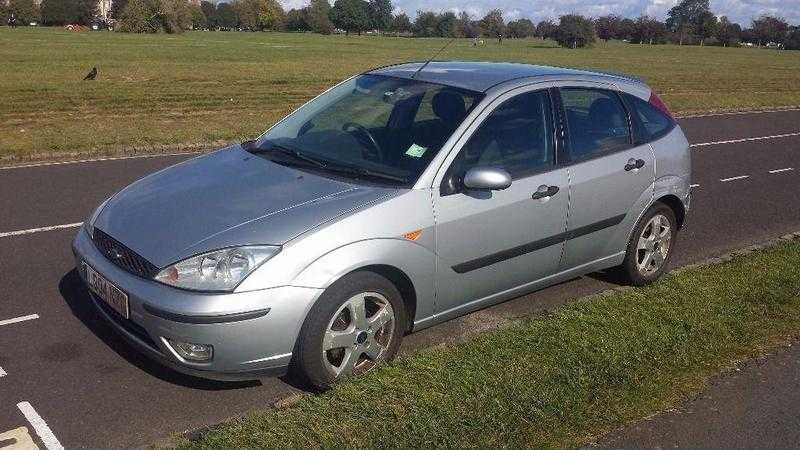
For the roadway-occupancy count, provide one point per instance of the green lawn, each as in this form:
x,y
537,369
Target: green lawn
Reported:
x,y
207,86
555,381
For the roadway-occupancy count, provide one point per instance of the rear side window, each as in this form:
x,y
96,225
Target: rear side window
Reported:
x,y
652,123
596,122
517,137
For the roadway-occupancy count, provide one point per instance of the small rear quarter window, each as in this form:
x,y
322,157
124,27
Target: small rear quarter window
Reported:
x,y
652,123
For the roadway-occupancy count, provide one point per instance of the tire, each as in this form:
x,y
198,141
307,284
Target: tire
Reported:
x,y
636,268
321,359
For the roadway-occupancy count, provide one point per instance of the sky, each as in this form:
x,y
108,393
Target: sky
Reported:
x,y
741,11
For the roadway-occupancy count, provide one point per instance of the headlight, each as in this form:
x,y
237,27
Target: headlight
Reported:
x,y
220,270
89,224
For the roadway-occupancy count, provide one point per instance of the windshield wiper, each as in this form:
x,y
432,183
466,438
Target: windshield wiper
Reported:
x,y
325,164
291,152
362,172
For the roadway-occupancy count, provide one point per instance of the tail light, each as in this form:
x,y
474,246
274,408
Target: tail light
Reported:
x,y
659,104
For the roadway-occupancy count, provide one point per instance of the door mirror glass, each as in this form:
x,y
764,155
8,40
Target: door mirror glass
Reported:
x,y
487,179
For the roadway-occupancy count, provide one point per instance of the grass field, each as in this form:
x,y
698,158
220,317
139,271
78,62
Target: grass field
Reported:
x,y
203,87
556,381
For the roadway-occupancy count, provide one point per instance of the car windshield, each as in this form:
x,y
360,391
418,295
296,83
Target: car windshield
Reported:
x,y
371,126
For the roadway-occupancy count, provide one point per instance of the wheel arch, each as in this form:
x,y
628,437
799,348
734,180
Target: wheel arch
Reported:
x,y
403,284
677,207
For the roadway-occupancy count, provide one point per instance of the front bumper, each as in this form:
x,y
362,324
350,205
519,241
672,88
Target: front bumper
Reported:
x,y
248,341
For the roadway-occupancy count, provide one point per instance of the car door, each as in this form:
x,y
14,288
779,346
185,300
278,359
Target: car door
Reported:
x,y
611,178
488,242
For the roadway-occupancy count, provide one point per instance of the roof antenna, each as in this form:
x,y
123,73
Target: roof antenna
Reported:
x,y
433,57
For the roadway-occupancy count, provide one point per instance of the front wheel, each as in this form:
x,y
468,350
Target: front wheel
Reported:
x,y
650,247
357,324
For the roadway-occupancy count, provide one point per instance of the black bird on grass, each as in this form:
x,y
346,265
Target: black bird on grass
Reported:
x,y
91,75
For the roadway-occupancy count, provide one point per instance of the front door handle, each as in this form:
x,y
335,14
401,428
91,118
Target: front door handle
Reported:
x,y
634,164
545,191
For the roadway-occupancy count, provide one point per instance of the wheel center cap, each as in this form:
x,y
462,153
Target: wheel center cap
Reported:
x,y
361,337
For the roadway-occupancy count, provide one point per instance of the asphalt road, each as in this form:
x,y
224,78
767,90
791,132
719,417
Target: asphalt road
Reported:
x,y
91,390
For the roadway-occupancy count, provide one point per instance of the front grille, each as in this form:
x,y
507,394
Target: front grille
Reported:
x,y
122,256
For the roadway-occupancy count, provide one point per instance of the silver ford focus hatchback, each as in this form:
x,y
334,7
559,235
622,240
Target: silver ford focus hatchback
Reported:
x,y
400,198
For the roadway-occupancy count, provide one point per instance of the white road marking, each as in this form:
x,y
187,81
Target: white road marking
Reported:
x,y
40,426
740,177
39,230
18,319
80,161
738,113
781,170
694,185
2,372
735,141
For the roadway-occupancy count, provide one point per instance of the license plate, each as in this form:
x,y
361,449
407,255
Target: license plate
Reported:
x,y
112,295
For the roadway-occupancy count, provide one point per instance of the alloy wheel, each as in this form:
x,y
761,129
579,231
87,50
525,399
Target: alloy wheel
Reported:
x,y
654,245
358,336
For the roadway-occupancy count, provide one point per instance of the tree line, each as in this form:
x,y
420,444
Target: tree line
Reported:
x,y
688,22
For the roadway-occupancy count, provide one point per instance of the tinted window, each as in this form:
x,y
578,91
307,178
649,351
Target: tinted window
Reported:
x,y
596,121
516,136
652,123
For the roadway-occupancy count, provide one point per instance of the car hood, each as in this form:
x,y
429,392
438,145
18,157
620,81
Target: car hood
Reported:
x,y
226,198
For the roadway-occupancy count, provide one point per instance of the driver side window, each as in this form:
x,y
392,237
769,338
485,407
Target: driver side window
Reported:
x,y
516,137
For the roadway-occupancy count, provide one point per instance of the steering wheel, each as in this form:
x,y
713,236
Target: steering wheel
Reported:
x,y
371,149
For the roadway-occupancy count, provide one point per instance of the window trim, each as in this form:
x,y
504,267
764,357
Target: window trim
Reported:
x,y
568,160
637,121
552,132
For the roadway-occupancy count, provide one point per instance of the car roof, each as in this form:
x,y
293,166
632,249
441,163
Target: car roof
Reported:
x,y
482,76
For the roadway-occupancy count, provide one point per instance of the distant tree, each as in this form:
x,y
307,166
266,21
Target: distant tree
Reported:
x,y
793,38
607,27
426,24
768,29
117,7
575,31
197,17
380,14
58,12
727,33
25,11
493,24
627,28
687,17
259,14
226,16
706,26
297,20
648,30
748,35
447,24
141,16
210,12
401,23
546,29
271,15
319,17
350,15
467,27
521,28
3,13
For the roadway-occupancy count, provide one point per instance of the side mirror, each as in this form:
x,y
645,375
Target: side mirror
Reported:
x,y
487,179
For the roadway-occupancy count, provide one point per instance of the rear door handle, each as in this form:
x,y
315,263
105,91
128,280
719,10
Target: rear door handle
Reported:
x,y
545,191
634,164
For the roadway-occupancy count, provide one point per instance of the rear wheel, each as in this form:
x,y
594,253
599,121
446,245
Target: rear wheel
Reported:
x,y
357,324
650,248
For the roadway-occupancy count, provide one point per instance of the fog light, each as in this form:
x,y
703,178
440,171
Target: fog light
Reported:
x,y
193,352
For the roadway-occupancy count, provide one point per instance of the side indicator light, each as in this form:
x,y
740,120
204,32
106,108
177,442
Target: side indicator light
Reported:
x,y
413,235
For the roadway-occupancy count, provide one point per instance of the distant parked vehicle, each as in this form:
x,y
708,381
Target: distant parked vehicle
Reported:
x,y
402,197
